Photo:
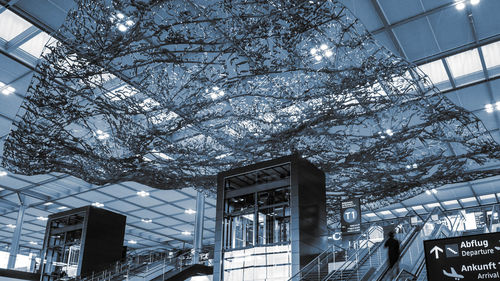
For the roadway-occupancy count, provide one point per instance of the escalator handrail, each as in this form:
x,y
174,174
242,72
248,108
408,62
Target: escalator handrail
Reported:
x,y
407,243
328,250
351,259
437,231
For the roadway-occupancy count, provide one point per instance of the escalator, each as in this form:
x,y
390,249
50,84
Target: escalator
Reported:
x,y
334,257
362,265
412,260
186,272
369,260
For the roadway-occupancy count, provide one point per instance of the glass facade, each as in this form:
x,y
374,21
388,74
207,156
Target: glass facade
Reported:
x,y
257,236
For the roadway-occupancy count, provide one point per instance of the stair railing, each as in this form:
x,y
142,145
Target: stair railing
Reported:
x,y
318,267
438,232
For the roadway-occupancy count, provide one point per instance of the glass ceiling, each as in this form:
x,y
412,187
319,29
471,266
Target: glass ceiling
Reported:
x,y
12,25
35,45
249,87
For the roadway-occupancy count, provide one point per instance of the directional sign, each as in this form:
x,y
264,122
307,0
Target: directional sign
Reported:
x,y
436,250
475,257
351,217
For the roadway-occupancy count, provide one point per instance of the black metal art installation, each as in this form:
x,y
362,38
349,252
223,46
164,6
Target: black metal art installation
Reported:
x,y
169,93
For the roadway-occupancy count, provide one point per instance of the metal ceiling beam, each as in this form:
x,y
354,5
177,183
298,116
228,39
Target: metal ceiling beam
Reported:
x,y
22,38
387,27
412,18
472,25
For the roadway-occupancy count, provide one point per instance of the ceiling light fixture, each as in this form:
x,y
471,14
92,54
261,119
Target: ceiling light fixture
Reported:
x,y
186,233
434,191
190,211
428,192
488,107
3,173
147,220
132,242
11,226
460,6
62,208
474,2
33,243
143,193
122,27
98,204
40,218
8,90
48,203
497,105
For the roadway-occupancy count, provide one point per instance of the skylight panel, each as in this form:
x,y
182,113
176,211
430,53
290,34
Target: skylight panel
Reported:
x,y
491,54
35,45
464,63
435,70
12,25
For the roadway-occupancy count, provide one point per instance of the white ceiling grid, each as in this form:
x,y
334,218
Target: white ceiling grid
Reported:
x,y
458,49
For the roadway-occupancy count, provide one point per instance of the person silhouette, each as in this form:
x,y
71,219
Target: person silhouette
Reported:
x,y
392,246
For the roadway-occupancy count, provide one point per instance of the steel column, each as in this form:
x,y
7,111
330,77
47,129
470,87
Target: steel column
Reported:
x,y
14,246
198,226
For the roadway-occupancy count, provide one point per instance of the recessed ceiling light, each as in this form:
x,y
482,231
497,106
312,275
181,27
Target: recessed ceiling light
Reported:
x,y
434,191
460,6
386,212
11,225
132,242
371,215
450,202
122,27
40,218
186,233
33,243
428,192
489,196
488,107
313,51
328,53
62,208
468,199
474,2
129,22
400,210
143,193
318,57
190,211
3,173
147,220
98,204
120,15
48,204
497,105
8,90
389,132
323,47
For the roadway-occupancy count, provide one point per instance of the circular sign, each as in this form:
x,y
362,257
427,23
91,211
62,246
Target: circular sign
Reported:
x,y
350,215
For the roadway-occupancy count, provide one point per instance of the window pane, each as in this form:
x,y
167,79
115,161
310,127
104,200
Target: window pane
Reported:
x,y
435,70
464,63
11,25
35,45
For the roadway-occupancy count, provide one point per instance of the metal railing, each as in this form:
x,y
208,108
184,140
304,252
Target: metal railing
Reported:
x,y
317,268
141,265
413,254
373,258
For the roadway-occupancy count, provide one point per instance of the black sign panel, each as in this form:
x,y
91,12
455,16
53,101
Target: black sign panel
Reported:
x,y
351,217
467,258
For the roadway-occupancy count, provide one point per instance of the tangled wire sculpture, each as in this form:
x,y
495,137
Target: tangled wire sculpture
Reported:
x,y
169,93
